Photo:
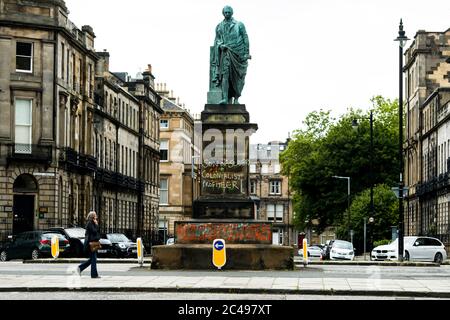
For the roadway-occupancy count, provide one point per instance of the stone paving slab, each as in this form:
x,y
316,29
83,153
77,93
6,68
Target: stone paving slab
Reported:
x,y
297,260
348,286
147,261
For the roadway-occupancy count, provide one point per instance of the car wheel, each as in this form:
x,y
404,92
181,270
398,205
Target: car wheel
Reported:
x,y
406,256
3,256
438,258
35,254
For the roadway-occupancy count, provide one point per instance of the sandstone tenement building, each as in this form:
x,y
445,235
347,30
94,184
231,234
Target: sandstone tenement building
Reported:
x,y
427,144
180,156
270,191
73,135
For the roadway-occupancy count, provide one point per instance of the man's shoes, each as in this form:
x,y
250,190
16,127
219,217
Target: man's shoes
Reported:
x,y
78,271
97,277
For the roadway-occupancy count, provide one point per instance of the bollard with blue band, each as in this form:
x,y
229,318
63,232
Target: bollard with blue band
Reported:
x,y
219,257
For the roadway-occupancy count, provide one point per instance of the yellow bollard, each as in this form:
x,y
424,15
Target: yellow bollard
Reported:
x,y
219,257
55,247
305,252
140,251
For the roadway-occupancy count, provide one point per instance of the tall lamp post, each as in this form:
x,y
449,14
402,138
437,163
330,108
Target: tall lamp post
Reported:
x,y
348,202
355,126
402,42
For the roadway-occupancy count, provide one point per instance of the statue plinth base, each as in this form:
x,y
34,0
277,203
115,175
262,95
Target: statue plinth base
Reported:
x,y
222,199
239,257
225,207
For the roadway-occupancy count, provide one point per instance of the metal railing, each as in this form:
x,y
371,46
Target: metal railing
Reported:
x,y
76,161
26,152
118,179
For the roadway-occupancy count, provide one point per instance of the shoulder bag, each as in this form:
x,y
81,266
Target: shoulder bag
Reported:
x,y
94,245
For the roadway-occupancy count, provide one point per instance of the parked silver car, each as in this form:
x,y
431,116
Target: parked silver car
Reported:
x,y
313,251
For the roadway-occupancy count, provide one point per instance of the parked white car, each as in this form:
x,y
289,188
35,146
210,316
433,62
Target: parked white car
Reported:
x,y
313,251
415,248
342,250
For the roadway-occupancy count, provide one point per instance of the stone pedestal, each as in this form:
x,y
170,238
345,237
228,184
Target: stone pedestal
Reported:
x,y
224,209
239,257
226,130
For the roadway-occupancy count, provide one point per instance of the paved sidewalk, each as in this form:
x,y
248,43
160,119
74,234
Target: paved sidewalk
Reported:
x,y
373,286
298,262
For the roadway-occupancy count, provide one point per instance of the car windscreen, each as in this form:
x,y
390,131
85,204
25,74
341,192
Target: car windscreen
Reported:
x,y
49,235
76,233
342,245
118,238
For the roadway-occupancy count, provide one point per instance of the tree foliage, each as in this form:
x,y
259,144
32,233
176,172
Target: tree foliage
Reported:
x,y
326,147
385,215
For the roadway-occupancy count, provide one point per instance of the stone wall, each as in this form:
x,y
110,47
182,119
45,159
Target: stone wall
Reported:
x,y
232,232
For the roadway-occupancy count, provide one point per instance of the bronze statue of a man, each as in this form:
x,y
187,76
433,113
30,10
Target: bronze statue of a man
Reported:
x,y
230,57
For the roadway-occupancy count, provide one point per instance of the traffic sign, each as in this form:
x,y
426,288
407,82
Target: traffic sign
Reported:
x,y
219,257
55,246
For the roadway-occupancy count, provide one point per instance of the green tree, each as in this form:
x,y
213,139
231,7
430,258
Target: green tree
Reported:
x,y
328,147
385,216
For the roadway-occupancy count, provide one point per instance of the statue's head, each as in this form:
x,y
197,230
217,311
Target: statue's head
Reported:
x,y
227,12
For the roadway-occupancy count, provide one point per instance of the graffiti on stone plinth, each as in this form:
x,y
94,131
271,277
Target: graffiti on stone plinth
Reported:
x,y
224,179
231,232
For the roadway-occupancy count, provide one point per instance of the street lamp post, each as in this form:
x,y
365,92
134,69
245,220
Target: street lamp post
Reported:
x,y
365,234
348,202
372,211
402,42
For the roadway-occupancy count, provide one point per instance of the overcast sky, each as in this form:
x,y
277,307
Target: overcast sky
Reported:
x,y
306,54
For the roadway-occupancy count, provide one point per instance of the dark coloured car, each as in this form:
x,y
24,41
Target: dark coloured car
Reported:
x,y
327,249
122,246
76,238
33,245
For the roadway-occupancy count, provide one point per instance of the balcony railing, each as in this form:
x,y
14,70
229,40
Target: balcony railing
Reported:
x,y
26,153
75,161
118,179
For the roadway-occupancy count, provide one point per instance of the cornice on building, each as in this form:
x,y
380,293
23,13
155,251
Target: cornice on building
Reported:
x,y
419,47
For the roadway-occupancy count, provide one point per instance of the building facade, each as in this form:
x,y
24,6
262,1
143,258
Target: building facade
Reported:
x,y
73,136
270,190
180,185
126,144
427,145
46,97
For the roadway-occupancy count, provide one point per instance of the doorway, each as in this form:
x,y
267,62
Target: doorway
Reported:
x,y
276,237
23,213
